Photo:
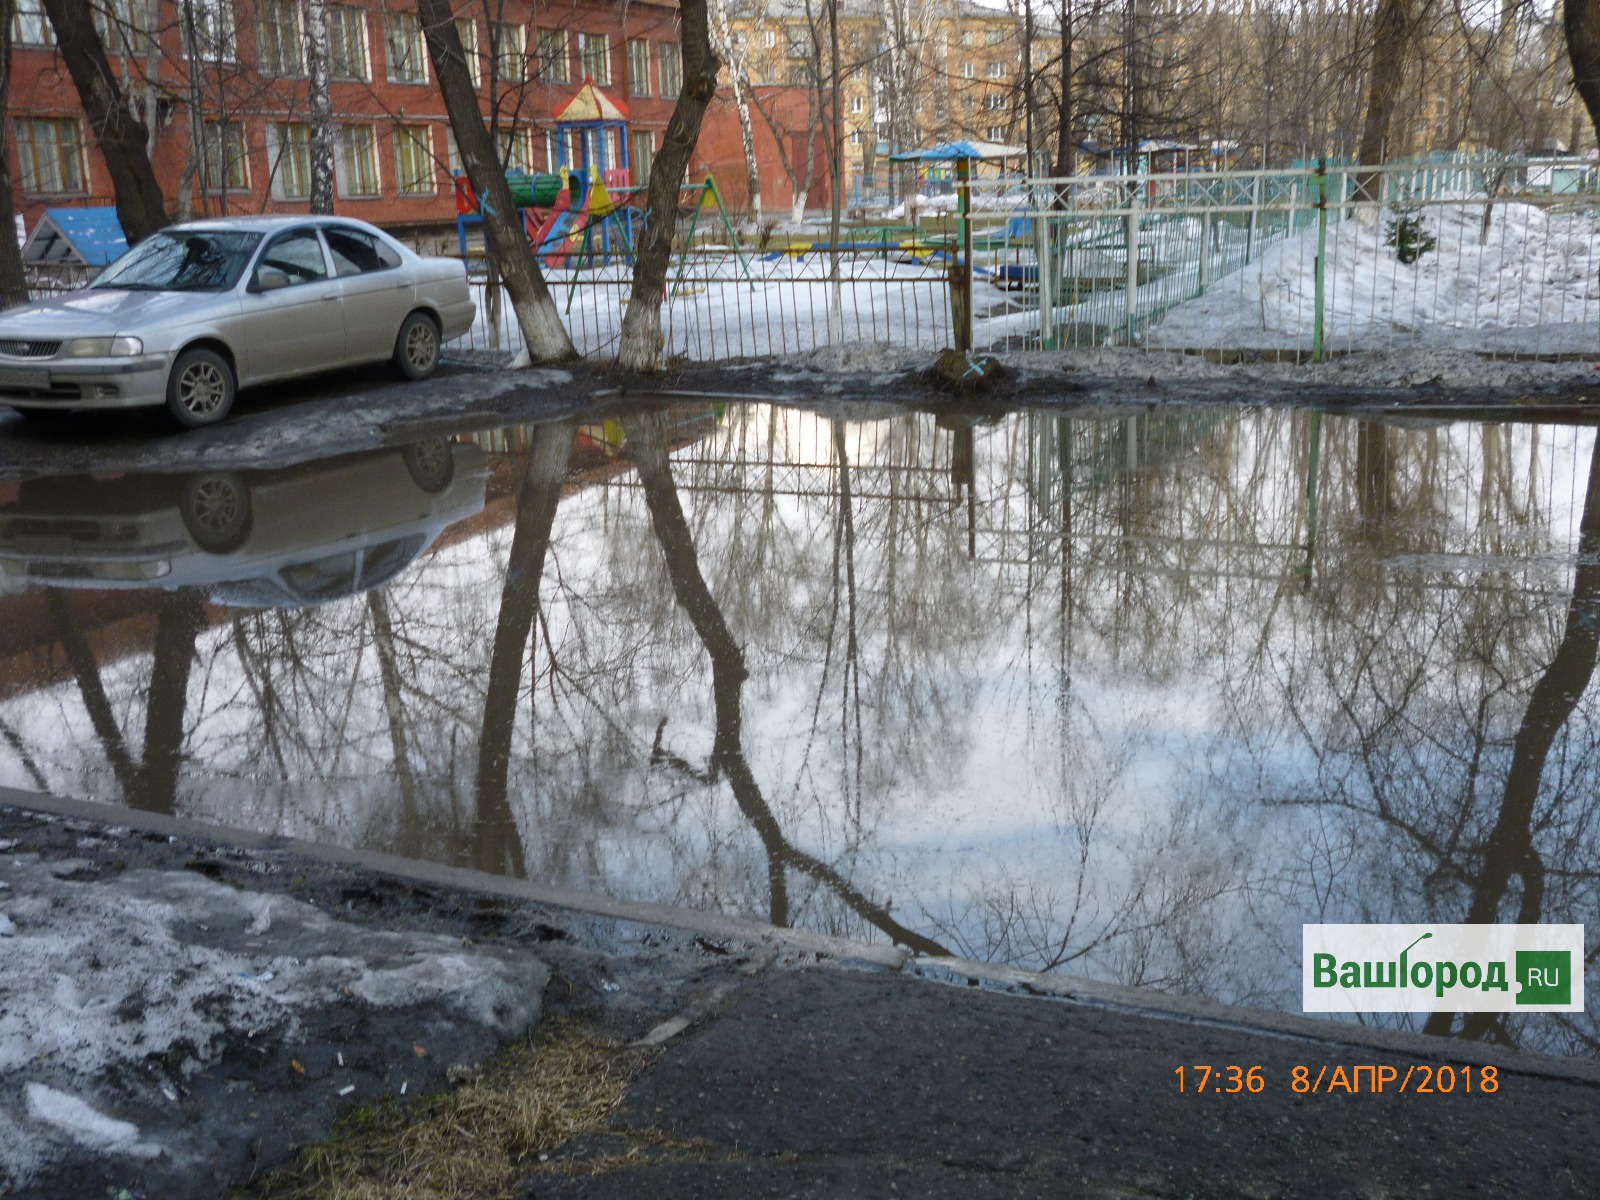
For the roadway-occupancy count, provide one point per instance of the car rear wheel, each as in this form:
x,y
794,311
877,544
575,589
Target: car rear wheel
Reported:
x,y
216,511
416,350
200,389
431,464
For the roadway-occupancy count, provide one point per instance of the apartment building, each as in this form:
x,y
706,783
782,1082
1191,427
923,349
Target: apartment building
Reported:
x,y
221,86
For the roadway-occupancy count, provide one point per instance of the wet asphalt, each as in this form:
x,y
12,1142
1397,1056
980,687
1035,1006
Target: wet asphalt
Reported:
x,y
845,1084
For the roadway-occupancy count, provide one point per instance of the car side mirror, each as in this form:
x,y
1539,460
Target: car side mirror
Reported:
x,y
269,279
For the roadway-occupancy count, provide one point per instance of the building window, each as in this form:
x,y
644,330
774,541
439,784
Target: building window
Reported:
x,y
347,44
358,161
857,104
671,70
212,22
408,53
995,37
29,25
514,150
555,62
769,38
279,46
638,67
127,27
997,70
51,155
467,31
967,71
227,165
997,133
508,45
643,153
995,102
969,38
289,150
857,138
595,49
799,41
413,160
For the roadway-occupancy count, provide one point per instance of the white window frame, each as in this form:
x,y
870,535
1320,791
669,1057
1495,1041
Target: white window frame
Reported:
x,y
277,155
639,57
402,136
345,156
30,26
215,30
554,50
363,46
586,41
220,159
28,159
393,20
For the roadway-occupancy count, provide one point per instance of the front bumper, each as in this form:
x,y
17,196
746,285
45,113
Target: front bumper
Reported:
x,y
86,383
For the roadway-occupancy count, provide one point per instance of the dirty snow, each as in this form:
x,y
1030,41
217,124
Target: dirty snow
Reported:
x,y
84,1124
100,978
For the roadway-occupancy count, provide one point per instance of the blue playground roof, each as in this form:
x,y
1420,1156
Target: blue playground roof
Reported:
x,y
92,236
951,151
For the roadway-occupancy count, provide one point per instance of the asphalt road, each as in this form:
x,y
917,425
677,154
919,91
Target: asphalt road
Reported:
x,y
845,1084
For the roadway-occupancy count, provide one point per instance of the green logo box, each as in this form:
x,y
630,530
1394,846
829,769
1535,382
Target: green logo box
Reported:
x,y
1545,976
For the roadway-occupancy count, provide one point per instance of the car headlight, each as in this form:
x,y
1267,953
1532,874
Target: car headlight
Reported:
x,y
103,347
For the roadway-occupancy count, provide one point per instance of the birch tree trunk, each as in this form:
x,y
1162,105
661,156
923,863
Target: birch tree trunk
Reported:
x,y
739,80
13,279
640,348
540,321
141,209
836,178
319,102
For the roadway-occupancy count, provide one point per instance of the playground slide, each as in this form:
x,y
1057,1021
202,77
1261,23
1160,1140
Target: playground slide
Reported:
x,y
555,237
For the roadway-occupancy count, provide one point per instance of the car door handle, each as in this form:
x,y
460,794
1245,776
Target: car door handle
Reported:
x,y
329,299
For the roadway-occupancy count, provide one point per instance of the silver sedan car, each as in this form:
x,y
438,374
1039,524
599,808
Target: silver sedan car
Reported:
x,y
199,310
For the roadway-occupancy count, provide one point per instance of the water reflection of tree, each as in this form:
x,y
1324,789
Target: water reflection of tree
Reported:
x,y
646,436
151,781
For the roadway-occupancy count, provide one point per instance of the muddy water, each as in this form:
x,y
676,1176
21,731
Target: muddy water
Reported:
x,y
1130,696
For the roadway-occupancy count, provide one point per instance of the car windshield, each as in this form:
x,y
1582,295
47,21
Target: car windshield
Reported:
x,y
183,260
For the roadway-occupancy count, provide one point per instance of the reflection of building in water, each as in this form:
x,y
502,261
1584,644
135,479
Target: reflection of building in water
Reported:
x,y
1054,690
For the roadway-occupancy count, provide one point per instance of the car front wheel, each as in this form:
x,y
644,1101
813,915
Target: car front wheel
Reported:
x,y
416,350
200,389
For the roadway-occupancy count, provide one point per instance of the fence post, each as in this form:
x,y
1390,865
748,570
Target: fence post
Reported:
x,y
1250,223
1133,265
1205,250
1319,352
962,277
1046,261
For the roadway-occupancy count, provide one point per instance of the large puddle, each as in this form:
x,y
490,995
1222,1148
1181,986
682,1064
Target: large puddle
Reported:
x,y
1130,696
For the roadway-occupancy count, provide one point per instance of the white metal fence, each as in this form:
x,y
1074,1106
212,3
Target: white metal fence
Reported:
x,y
1309,262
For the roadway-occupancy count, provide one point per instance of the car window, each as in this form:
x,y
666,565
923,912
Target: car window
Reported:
x,y
322,579
182,260
386,559
298,254
357,252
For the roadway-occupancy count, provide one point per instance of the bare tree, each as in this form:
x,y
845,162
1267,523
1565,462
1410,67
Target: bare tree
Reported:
x,y
141,209
13,280
546,337
320,105
641,339
731,47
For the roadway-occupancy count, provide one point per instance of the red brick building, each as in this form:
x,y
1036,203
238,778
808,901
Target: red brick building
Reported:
x,y
240,64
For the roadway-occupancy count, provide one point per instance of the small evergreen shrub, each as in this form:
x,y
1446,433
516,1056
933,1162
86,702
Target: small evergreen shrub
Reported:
x,y
1408,235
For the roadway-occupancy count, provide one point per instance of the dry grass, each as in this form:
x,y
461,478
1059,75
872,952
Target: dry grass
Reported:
x,y
477,1140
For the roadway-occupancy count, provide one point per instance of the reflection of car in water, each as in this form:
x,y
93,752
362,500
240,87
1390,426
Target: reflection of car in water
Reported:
x,y
275,538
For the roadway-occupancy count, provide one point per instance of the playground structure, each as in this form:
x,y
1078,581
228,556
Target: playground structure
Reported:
x,y
587,214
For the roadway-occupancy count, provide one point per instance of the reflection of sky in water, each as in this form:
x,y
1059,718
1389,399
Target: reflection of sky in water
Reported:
x,y
1148,759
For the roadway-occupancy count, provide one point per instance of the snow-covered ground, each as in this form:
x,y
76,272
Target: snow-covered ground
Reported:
x,y
1529,287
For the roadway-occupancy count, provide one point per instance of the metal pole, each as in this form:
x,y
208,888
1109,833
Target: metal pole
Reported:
x,y
1319,352
1132,285
963,274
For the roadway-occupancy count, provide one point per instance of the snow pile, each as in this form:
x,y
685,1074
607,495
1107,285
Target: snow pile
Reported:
x,y
1530,287
101,978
